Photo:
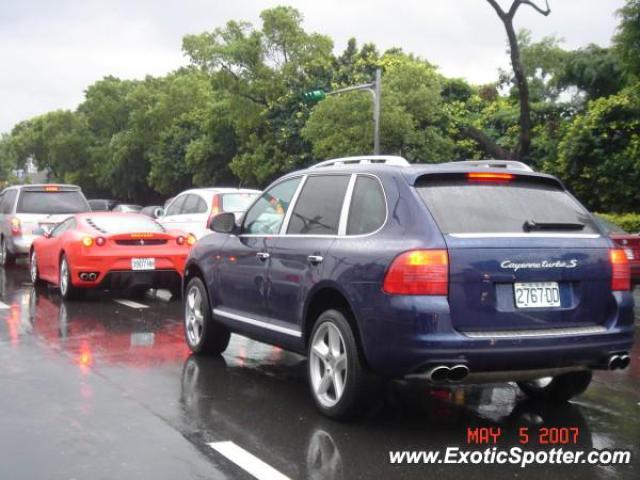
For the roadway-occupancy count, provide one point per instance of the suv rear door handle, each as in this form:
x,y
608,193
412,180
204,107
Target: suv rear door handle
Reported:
x,y
315,259
262,256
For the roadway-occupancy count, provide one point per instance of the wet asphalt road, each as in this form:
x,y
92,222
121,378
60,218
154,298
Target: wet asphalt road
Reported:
x,y
100,389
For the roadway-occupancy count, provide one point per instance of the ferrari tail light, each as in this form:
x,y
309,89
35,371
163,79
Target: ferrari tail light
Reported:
x,y
620,270
16,226
87,241
100,241
418,272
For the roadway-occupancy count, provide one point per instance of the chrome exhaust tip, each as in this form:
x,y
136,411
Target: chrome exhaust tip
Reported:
x,y
458,373
438,374
92,276
624,362
614,362
83,276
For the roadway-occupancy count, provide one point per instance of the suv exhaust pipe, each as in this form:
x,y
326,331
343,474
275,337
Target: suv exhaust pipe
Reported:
x,y
442,373
618,362
458,373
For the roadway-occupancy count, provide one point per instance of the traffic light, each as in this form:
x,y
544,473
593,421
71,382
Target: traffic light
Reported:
x,y
314,96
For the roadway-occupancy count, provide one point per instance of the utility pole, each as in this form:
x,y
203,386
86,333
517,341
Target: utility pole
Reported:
x,y
374,88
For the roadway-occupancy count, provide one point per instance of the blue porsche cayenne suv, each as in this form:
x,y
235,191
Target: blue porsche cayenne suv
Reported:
x,y
473,271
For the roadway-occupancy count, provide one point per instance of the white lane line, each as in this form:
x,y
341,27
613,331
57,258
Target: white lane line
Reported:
x,y
4,305
250,463
130,304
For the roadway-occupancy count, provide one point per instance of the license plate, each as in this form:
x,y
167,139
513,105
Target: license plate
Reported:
x,y
143,264
537,294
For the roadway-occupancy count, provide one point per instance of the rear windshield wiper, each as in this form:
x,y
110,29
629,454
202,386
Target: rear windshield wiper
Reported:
x,y
532,225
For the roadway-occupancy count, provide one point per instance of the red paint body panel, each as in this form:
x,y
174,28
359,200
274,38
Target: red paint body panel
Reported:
x,y
110,257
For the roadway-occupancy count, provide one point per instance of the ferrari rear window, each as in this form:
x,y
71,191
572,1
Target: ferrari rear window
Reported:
x,y
118,224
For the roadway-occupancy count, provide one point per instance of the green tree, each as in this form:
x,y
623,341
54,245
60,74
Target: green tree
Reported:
x,y
627,39
260,74
599,157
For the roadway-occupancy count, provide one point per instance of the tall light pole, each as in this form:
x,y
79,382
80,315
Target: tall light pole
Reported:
x,y
374,88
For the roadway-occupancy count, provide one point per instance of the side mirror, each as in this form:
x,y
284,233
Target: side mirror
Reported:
x,y
158,212
223,223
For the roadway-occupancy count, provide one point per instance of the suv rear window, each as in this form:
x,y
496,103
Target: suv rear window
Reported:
x,y
52,202
237,202
460,206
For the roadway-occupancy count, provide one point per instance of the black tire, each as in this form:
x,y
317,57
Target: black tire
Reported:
x,y
359,385
68,291
203,334
560,389
7,259
34,273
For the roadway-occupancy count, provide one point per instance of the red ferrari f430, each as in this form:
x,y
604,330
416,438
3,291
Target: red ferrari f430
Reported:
x,y
126,251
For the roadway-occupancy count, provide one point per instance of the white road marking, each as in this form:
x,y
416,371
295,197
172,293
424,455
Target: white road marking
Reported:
x,y
4,305
250,463
130,304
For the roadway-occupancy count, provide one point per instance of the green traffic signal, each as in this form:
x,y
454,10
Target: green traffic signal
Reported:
x,y
314,96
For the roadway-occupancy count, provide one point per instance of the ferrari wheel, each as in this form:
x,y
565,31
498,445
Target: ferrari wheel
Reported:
x,y
33,270
67,289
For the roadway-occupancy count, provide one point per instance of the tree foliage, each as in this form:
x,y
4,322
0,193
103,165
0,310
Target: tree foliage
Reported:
x,y
235,115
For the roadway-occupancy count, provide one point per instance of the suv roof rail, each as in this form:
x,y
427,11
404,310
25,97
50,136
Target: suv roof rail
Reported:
x,y
509,164
367,159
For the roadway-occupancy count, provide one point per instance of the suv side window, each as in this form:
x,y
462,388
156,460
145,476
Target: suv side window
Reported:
x,y
8,200
267,214
176,206
317,211
368,209
200,205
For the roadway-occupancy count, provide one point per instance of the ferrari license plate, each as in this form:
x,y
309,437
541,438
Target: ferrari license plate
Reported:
x,y
143,264
537,294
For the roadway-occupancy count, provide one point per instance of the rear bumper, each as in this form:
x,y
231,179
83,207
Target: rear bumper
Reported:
x,y
410,335
116,273
20,245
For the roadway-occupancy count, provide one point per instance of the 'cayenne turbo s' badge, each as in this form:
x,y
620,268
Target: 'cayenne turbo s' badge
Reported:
x,y
515,266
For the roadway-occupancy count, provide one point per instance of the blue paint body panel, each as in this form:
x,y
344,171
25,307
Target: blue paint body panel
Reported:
x,y
405,334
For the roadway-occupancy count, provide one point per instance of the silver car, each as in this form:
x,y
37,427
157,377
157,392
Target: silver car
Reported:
x,y
26,210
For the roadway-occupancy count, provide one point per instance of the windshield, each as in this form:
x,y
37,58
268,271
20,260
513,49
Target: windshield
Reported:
x,y
462,207
237,202
52,202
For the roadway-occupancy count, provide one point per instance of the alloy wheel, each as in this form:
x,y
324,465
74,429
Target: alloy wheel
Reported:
x,y
33,268
194,318
328,366
64,276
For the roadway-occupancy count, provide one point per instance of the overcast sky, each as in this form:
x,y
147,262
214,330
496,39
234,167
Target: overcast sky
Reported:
x,y
51,50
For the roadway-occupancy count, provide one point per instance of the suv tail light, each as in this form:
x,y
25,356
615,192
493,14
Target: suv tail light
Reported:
x,y
620,270
215,208
16,226
418,272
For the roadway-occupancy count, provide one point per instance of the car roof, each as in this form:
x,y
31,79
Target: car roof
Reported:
x,y
219,190
34,186
416,170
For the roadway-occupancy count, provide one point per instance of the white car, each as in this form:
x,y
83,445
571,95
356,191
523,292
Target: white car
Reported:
x,y
191,210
